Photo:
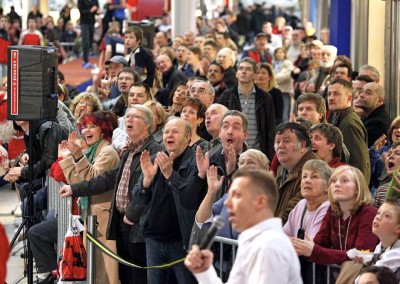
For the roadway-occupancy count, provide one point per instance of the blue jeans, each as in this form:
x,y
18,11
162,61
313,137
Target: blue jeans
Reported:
x,y
162,253
87,32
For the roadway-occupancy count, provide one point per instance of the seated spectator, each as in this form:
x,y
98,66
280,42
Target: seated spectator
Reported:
x,y
347,223
193,111
327,143
306,217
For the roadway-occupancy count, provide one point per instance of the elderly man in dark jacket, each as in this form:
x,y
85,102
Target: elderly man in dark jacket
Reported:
x,y
165,223
123,225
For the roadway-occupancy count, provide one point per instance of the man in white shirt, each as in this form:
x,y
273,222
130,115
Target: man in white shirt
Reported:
x,y
265,254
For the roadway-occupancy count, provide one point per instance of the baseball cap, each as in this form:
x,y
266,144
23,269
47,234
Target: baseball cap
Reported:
x,y
261,35
117,59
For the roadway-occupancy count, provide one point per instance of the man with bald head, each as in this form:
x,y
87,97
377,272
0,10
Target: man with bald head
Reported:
x,y
376,119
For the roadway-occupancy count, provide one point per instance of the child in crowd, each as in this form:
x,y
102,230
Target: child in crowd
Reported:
x,y
31,36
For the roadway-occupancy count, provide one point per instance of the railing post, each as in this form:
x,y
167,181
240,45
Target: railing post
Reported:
x,y
91,250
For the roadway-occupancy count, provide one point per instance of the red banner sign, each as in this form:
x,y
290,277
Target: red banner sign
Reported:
x,y
14,82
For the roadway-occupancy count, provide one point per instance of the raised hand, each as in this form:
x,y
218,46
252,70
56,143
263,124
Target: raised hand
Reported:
x,y
165,163
380,142
75,149
148,168
63,150
214,183
203,162
231,160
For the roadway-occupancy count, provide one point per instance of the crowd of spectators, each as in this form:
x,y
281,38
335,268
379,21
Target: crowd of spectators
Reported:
x,y
155,141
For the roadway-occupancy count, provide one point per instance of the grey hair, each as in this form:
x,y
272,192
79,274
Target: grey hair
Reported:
x,y
148,114
188,130
211,89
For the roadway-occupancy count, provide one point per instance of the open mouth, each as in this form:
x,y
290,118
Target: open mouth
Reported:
x,y
229,141
128,126
391,165
314,150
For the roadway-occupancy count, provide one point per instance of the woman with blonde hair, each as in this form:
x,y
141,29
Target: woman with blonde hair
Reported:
x,y
159,118
84,103
347,223
265,80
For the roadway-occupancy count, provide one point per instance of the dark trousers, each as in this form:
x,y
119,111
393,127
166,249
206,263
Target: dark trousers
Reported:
x,y
87,32
134,253
43,237
162,253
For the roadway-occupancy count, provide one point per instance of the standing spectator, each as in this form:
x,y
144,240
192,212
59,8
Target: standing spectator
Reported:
x,y
265,80
139,58
35,13
14,16
347,120
118,8
327,141
293,150
88,9
260,52
4,44
347,223
31,36
123,225
376,119
165,224
283,68
255,104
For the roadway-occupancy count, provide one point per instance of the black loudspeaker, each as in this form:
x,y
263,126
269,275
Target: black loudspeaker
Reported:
x,y
148,32
32,82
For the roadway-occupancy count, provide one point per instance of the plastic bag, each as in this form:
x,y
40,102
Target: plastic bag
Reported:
x,y
73,260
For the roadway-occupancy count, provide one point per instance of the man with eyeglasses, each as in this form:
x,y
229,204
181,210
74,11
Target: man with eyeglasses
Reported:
x,y
125,79
256,104
205,92
123,225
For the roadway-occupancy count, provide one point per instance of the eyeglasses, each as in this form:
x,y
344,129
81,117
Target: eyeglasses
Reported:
x,y
133,116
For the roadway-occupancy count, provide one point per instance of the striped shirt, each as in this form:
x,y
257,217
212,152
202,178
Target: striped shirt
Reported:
x,y
248,104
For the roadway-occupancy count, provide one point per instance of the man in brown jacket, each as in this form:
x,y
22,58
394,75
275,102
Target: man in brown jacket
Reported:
x,y
293,149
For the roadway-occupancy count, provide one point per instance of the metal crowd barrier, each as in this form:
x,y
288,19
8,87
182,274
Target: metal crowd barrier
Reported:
x,y
234,244
61,207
